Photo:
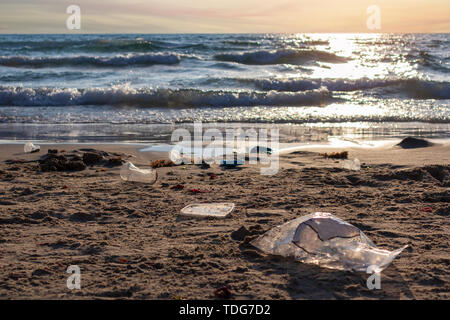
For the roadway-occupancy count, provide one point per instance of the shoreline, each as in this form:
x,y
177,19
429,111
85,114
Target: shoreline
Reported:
x,y
378,151
161,133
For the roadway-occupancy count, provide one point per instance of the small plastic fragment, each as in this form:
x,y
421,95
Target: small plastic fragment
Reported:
x,y
205,210
129,172
29,147
223,293
231,163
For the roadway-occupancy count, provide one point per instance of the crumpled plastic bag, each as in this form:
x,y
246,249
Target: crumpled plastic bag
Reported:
x,y
327,241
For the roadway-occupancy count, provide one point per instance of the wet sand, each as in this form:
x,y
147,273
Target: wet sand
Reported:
x,y
129,241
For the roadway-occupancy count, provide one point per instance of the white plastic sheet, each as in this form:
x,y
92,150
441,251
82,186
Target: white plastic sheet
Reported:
x,y
327,241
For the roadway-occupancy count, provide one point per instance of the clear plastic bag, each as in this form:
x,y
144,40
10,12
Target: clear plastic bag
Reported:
x,y
327,241
129,172
29,147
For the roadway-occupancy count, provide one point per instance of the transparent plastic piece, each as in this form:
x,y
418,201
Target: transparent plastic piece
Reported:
x,y
327,241
29,147
205,210
181,158
129,172
354,165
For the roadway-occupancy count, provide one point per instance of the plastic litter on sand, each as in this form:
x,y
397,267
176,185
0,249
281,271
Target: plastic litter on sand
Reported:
x,y
129,172
29,147
327,241
205,210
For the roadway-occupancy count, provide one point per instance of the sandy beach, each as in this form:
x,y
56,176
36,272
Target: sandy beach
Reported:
x,y
130,242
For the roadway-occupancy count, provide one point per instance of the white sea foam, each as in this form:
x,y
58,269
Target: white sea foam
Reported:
x,y
148,97
414,88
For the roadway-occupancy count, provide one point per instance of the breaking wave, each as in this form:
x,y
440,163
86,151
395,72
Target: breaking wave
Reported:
x,y
413,88
98,45
283,56
96,61
147,97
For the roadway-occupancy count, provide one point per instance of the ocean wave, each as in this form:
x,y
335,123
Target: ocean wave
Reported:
x,y
242,43
28,75
96,61
282,56
147,97
428,60
413,88
97,45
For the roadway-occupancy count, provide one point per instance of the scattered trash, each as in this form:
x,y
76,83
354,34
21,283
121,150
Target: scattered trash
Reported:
x,y
259,149
205,210
29,147
65,187
335,155
426,209
223,293
327,241
162,163
212,176
204,165
129,172
231,163
181,158
177,187
352,165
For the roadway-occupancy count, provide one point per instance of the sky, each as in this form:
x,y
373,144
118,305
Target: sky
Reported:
x,y
224,16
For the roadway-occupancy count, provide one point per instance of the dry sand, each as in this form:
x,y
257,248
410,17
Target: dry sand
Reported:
x,y
129,241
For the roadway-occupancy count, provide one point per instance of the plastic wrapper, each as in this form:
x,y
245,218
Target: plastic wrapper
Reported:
x,y
327,241
129,172
29,147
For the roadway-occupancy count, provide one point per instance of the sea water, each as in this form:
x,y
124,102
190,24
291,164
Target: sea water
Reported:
x,y
139,87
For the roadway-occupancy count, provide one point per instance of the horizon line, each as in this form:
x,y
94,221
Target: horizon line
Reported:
x,y
162,33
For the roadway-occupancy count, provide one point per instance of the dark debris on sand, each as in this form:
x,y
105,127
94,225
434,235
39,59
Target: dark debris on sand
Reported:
x,y
77,160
